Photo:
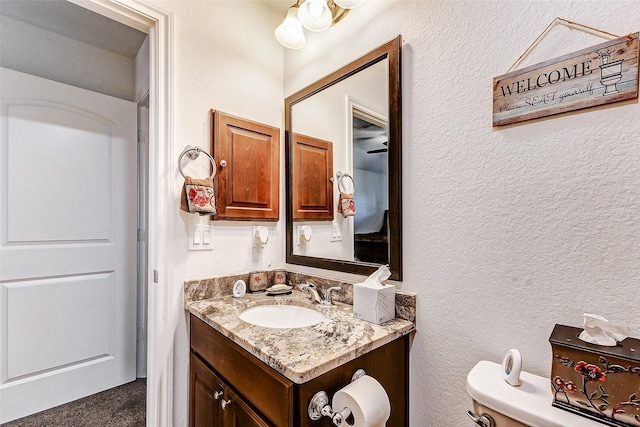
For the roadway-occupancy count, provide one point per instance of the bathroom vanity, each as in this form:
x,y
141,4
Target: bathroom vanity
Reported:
x,y
247,375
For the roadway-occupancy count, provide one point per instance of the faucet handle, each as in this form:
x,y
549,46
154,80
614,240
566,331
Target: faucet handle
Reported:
x,y
327,294
307,285
312,289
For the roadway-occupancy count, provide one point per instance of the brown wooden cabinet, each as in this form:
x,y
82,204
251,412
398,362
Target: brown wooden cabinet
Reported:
x,y
205,392
260,396
215,404
241,414
247,181
312,166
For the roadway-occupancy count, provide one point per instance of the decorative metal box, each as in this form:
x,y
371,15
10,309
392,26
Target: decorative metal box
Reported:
x,y
598,382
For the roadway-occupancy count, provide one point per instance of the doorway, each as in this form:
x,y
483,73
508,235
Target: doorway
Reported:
x,y
20,374
369,144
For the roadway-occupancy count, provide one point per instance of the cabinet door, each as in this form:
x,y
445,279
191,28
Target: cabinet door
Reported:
x,y
312,164
248,186
240,414
269,392
205,394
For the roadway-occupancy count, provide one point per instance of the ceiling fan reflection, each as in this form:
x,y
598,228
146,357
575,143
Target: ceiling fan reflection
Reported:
x,y
379,150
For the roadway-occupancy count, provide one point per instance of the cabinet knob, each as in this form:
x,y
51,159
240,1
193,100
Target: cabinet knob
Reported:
x,y
223,163
225,403
217,395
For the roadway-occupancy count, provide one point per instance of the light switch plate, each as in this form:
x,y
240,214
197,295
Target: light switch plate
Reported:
x,y
200,237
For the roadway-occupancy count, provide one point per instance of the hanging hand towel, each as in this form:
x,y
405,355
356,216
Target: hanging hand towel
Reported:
x,y
346,206
198,196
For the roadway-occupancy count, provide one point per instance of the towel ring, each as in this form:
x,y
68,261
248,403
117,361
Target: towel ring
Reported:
x,y
341,186
193,152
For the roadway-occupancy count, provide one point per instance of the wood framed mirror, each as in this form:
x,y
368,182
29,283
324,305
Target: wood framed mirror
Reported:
x,y
349,122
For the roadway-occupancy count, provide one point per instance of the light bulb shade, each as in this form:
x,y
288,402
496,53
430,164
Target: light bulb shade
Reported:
x,y
315,15
290,33
348,4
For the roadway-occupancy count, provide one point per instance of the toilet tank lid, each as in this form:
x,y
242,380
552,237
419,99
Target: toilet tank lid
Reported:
x,y
530,403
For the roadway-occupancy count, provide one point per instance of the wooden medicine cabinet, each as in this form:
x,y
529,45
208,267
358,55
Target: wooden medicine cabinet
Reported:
x,y
247,181
313,169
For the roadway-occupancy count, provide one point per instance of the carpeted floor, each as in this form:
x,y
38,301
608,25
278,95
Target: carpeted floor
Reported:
x,y
123,406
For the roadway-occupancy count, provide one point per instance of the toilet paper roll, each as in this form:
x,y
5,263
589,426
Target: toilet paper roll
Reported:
x,y
512,366
366,399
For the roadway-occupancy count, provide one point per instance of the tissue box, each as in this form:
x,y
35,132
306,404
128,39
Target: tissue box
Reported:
x,y
598,382
373,303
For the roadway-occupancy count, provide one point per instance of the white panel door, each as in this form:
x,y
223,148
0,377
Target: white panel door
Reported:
x,y
67,243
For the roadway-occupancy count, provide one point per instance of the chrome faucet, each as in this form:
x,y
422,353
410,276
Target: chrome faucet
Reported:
x,y
314,291
327,295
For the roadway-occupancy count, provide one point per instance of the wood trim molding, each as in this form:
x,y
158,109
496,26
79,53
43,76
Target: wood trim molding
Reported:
x,y
133,13
163,216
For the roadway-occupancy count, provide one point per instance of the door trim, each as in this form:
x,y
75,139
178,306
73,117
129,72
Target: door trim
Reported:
x,y
158,23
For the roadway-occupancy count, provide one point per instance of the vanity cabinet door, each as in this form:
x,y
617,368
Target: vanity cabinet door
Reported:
x,y
213,404
269,392
206,391
240,414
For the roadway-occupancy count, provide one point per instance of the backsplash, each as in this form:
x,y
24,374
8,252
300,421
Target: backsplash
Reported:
x,y
196,290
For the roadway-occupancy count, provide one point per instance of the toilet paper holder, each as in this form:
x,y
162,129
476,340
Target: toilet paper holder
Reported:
x,y
320,406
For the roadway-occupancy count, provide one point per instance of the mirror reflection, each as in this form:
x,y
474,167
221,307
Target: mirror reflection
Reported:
x,y
370,171
337,135
343,157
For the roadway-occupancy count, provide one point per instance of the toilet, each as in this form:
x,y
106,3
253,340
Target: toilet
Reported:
x,y
527,405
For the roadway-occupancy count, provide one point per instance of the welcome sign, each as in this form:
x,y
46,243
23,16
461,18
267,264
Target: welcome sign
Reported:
x,y
597,75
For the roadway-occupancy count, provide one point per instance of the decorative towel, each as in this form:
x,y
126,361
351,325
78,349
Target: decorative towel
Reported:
x,y
198,196
346,207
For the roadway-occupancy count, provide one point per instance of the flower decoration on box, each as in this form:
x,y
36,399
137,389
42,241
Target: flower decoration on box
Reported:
x,y
598,399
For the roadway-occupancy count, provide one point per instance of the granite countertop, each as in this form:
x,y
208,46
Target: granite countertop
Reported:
x,y
300,354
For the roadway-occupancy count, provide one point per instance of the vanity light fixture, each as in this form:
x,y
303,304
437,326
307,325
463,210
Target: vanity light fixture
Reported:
x,y
290,33
314,15
348,4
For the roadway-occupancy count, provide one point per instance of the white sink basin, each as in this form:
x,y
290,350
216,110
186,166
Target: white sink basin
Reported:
x,y
281,316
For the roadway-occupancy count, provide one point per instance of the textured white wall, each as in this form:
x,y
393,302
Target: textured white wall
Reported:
x,y
506,231
225,58
224,61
